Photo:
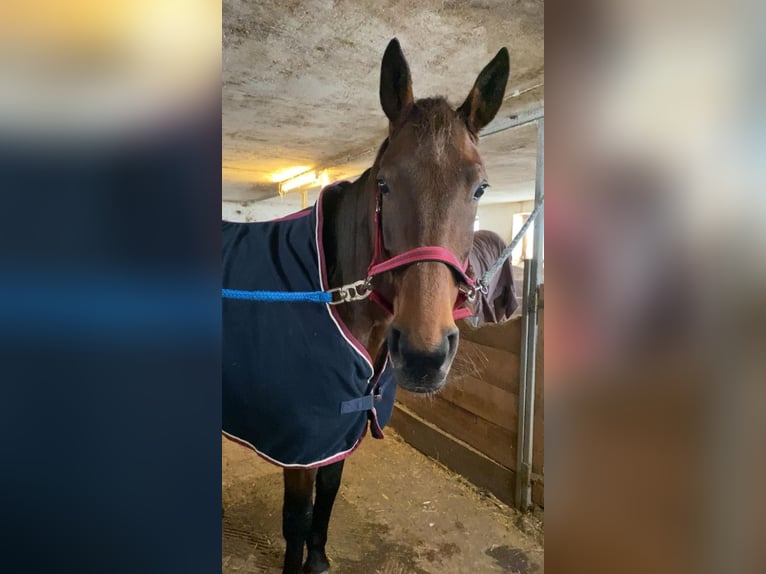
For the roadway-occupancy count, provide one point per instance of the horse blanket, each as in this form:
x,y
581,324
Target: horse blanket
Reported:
x,y
298,388
500,301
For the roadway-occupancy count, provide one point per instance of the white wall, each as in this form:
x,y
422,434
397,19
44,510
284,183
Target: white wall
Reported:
x,y
265,209
498,217
242,211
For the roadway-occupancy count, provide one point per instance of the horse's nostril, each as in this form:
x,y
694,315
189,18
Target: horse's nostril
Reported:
x,y
419,369
393,340
452,339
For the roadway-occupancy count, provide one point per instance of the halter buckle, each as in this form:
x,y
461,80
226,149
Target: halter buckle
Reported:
x,y
471,292
356,291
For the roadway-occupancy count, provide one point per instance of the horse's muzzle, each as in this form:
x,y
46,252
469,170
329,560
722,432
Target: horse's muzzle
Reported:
x,y
421,370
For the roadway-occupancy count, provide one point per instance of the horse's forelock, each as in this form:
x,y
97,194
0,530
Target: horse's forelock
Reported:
x,y
435,122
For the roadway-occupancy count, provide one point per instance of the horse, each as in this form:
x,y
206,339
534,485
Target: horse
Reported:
x,y
303,381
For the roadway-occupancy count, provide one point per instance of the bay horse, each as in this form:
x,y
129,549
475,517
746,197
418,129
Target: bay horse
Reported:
x,y
302,381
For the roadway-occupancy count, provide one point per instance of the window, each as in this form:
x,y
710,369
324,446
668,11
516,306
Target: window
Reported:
x,y
524,249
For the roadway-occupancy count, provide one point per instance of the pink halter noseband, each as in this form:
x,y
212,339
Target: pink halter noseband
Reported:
x,y
379,265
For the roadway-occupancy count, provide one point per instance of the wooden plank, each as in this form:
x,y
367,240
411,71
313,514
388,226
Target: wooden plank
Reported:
x,y
496,442
454,454
494,366
484,400
504,336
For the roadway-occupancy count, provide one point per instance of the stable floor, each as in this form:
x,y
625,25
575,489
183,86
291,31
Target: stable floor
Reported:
x,y
397,512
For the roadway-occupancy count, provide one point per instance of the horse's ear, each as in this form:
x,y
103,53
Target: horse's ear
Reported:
x,y
487,93
395,82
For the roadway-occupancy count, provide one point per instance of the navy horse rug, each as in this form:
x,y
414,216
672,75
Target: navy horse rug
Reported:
x,y
298,388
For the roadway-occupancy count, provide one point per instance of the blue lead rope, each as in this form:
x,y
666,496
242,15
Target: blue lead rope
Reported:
x,y
276,296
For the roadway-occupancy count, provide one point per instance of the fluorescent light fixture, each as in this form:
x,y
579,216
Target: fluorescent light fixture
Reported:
x,y
287,173
306,179
298,181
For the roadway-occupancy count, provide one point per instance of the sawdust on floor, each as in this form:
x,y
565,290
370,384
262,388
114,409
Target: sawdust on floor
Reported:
x,y
397,512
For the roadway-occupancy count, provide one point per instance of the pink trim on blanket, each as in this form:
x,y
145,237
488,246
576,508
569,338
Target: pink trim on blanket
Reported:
x,y
295,215
327,461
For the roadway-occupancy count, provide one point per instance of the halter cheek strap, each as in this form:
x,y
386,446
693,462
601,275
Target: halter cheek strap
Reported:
x,y
379,265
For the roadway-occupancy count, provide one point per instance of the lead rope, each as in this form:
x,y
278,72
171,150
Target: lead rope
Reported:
x,y
482,285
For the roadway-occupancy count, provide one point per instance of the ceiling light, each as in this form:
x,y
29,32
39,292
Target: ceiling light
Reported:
x,y
287,173
306,179
302,180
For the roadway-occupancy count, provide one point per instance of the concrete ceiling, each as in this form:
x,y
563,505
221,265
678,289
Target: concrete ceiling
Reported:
x,y
300,84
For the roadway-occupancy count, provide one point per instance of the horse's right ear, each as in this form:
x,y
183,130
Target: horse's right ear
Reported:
x,y
395,82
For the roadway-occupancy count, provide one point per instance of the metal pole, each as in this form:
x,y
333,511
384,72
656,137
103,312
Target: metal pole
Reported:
x,y
535,114
539,230
532,280
522,469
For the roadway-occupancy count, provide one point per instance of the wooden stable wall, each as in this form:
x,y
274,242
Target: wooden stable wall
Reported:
x,y
471,424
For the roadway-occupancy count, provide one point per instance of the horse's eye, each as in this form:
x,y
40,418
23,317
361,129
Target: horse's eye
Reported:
x,y
480,190
383,186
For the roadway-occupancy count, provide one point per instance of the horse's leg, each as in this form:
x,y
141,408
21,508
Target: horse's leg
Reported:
x,y
296,516
328,482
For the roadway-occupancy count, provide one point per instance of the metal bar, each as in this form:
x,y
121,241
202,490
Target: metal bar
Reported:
x,y
539,230
532,281
522,469
520,119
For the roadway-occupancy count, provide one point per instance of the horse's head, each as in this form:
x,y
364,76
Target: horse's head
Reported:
x,y
430,178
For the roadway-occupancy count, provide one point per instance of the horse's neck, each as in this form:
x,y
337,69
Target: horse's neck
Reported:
x,y
347,233
348,240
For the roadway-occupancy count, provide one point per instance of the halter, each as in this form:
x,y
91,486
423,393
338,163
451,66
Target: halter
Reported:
x,y
379,265
468,289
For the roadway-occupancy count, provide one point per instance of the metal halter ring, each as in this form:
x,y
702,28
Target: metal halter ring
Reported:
x,y
471,292
356,291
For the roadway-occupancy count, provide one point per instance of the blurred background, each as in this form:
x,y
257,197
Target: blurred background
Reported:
x,y
654,363
109,285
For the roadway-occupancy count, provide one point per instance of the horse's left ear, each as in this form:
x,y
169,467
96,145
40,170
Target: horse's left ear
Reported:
x,y
487,93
